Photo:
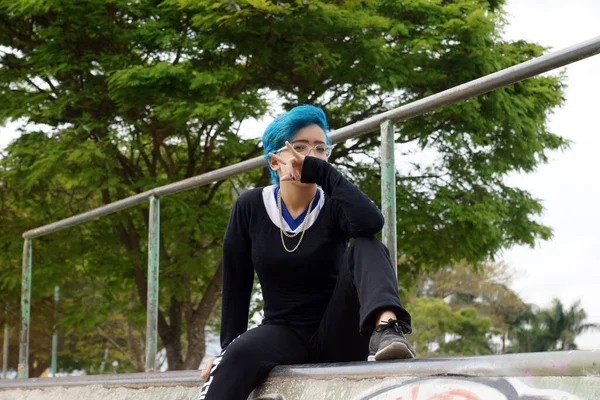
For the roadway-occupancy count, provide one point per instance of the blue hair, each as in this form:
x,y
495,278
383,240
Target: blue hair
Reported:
x,y
285,127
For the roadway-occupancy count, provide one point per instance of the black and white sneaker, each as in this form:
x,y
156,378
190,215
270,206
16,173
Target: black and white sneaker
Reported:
x,y
388,342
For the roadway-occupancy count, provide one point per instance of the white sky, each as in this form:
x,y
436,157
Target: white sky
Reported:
x,y
568,266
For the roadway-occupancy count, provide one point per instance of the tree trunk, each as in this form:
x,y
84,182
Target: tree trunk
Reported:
x,y
174,357
172,341
196,337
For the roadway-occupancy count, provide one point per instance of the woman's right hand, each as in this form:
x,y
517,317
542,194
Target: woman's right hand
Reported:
x,y
290,169
207,367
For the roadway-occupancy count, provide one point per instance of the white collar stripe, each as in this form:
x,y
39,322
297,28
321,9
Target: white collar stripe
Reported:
x,y
270,203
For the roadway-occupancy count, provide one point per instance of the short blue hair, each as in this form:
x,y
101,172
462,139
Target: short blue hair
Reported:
x,y
285,127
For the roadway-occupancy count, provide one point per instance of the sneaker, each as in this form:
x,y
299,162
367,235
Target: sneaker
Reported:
x,y
388,342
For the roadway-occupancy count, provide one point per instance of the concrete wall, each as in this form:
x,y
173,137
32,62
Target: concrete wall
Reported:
x,y
549,376
435,388
97,392
441,388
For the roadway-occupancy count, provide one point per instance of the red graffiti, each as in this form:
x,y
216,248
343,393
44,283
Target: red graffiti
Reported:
x,y
453,394
456,394
414,392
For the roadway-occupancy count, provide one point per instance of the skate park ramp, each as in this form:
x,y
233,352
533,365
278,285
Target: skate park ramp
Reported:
x,y
550,376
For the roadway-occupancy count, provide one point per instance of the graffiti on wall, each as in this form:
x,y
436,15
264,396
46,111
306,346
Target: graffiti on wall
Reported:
x,y
453,387
464,388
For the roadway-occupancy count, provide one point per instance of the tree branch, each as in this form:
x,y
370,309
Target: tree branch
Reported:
x,y
116,345
208,149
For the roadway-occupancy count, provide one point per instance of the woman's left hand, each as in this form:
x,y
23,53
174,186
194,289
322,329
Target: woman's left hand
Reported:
x,y
292,168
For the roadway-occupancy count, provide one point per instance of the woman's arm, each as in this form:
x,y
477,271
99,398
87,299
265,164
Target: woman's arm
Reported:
x,y
355,211
238,275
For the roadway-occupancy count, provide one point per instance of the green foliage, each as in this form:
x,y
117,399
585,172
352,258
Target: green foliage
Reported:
x,y
458,310
439,331
485,287
471,303
131,95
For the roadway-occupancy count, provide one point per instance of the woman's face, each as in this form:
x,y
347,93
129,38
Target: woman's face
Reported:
x,y
309,141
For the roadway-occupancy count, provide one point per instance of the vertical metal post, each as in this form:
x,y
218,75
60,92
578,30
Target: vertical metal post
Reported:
x,y
388,190
23,370
103,363
5,346
55,330
152,302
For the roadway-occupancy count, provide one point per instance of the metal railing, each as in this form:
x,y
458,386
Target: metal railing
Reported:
x,y
383,121
5,344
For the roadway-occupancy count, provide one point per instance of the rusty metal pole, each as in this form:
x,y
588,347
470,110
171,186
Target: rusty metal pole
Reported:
x,y
23,370
152,301
55,331
388,191
5,346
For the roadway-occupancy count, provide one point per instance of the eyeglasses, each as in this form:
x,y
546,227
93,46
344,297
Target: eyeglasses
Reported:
x,y
304,149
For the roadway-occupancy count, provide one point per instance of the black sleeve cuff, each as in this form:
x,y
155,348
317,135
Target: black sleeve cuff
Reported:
x,y
313,171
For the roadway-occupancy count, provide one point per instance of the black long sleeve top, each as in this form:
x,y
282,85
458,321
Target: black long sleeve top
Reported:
x,y
296,286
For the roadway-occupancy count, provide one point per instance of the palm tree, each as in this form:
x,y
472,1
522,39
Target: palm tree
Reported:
x,y
564,325
528,332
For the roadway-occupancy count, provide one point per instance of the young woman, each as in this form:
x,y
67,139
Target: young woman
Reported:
x,y
323,301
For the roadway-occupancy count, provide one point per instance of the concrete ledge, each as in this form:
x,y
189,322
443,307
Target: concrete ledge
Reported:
x,y
573,375
137,380
560,363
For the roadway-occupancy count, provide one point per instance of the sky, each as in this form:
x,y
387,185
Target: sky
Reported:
x,y
568,266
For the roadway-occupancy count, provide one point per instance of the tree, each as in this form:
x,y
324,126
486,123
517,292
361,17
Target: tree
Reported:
x,y
550,329
439,331
485,290
564,325
119,97
485,287
567,324
431,319
529,334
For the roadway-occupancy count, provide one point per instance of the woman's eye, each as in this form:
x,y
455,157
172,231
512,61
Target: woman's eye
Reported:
x,y
320,149
299,147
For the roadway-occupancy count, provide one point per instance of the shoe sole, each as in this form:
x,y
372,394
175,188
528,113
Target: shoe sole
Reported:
x,y
394,351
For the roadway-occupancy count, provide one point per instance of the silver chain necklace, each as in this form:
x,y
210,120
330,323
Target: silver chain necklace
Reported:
x,y
282,232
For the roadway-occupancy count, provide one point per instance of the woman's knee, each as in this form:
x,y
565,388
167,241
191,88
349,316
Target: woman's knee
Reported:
x,y
367,243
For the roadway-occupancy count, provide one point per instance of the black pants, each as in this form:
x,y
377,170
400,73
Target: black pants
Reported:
x,y
367,286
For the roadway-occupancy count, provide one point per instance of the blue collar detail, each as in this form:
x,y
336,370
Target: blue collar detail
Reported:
x,y
295,223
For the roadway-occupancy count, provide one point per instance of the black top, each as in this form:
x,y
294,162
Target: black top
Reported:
x,y
296,286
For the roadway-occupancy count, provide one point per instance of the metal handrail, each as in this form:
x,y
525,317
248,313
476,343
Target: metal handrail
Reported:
x,y
459,93
462,92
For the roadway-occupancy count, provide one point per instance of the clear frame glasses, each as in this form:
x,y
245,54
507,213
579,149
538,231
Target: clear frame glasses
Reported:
x,y
304,148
